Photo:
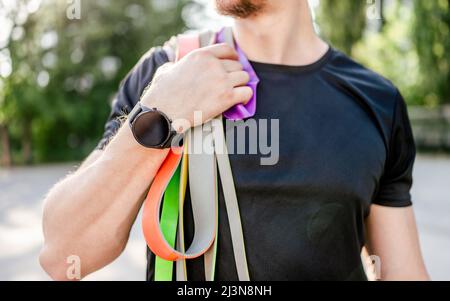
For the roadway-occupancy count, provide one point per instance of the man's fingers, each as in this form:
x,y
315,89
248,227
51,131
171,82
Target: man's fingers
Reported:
x,y
242,95
239,78
222,51
232,66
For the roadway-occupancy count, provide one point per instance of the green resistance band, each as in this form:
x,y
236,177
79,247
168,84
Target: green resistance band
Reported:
x,y
169,223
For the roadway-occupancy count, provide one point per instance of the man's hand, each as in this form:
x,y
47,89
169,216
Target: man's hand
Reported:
x,y
210,80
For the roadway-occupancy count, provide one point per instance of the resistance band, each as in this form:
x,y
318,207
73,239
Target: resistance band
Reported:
x,y
200,169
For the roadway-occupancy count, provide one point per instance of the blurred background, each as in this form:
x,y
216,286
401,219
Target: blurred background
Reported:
x,y
62,61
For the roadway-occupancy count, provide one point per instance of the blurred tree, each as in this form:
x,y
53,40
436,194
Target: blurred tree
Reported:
x,y
431,32
11,108
5,145
342,22
65,70
54,102
390,51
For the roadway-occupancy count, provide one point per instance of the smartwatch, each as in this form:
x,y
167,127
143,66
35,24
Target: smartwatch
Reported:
x,y
151,128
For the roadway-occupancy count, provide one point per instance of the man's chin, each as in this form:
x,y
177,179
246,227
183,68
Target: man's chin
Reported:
x,y
240,8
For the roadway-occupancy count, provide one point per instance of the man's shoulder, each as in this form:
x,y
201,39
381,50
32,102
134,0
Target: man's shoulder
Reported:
x,y
153,58
157,56
353,75
143,71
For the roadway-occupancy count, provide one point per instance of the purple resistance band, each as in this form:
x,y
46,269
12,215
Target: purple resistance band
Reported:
x,y
240,112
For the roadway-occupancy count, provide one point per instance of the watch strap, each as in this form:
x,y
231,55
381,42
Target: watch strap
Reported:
x,y
138,108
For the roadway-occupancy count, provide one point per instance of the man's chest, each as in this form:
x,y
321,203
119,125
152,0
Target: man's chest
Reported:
x,y
304,142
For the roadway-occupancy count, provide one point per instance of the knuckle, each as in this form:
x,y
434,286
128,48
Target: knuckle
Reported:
x,y
226,47
222,77
213,64
226,94
199,55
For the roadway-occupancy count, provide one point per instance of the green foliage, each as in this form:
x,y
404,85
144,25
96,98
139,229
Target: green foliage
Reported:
x,y
390,51
431,35
65,71
411,48
342,22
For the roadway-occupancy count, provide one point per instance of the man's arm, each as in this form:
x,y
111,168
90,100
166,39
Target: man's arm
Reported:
x,y
90,213
392,236
90,159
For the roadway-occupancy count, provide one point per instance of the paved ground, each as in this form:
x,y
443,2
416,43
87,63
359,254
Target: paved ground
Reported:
x,y
22,191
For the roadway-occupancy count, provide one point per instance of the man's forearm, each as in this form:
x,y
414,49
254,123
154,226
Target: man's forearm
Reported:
x,y
90,213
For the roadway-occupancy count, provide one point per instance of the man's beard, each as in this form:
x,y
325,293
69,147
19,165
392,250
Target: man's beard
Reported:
x,y
240,8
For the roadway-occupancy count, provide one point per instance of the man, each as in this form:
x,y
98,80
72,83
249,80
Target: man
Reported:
x,y
342,180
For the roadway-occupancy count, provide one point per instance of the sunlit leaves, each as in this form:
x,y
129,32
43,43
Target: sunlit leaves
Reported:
x,y
65,71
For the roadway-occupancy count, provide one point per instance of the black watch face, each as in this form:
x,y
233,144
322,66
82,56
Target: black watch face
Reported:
x,y
151,129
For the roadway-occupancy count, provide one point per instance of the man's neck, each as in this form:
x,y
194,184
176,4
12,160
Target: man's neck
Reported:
x,y
281,34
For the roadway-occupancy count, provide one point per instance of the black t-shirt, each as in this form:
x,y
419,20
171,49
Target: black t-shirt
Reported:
x,y
345,143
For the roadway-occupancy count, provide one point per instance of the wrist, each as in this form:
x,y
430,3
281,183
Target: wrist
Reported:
x,y
124,143
163,104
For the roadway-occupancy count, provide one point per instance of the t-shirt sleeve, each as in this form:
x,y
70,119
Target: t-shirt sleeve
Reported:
x,y
395,184
130,91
